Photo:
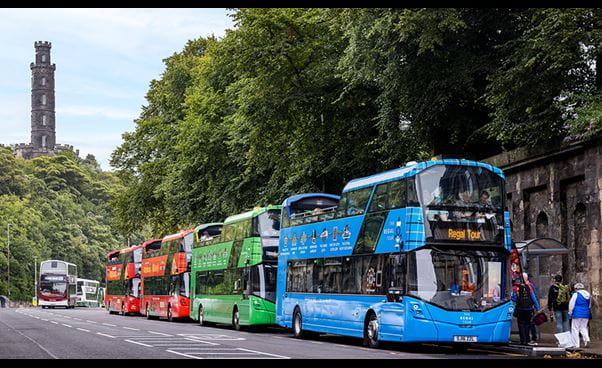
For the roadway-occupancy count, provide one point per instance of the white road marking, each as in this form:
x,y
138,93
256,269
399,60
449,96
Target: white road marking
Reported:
x,y
229,352
278,337
98,333
139,343
182,354
108,324
259,352
159,333
79,319
83,329
130,328
56,323
44,319
66,325
212,337
90,321
32,340
316,342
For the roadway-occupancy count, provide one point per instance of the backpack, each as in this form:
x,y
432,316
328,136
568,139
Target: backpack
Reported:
x,y
524,297
563,294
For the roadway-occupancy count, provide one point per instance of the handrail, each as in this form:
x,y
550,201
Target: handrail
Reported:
x,y
319,211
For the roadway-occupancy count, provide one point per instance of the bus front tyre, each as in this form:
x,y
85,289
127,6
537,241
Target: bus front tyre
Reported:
x,y
371,332
236,319
298,325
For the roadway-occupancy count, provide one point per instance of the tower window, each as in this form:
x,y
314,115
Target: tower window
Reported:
x,y
43,81
43,99
43,58
44,141
43,119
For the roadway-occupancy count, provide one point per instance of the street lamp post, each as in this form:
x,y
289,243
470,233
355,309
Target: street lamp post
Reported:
x,y
8,247
35,278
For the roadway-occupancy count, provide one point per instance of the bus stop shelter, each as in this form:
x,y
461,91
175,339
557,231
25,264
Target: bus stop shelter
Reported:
x,y
542,259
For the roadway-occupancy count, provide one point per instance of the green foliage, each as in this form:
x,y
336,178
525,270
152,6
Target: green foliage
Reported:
x,y
58,209
548,63
303,100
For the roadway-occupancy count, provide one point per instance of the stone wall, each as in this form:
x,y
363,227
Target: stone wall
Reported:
x,y
556,194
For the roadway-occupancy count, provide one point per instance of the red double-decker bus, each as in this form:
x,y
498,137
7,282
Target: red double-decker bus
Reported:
x,y
166,277
123,280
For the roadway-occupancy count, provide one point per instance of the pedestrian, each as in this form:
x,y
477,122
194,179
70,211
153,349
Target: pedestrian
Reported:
x,y
526,305
532,327
579,310
558,304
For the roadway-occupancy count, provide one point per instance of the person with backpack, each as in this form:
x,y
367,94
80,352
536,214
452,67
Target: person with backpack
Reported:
x,y
558,302
579,306
526,306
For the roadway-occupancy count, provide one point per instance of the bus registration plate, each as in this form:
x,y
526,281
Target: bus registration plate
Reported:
x,y
465,339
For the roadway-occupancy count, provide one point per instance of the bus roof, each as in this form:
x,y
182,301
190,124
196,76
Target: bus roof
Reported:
x,y
130,249
78,279
149,242
297,197
250,214
58,260
178,235
204,226
411,170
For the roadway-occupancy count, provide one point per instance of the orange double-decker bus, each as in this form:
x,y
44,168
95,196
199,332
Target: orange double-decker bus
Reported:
x,y
166,276
123,280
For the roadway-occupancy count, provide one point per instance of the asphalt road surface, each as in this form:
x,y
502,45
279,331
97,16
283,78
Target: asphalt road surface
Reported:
x,y
94,333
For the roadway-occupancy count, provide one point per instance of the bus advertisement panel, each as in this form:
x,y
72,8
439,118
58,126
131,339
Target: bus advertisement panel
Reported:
x,y
166,276
57,284
123,280
416,254
234,273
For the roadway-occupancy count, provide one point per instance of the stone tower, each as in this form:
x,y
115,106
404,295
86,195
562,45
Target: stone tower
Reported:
x,y
43,133
43,126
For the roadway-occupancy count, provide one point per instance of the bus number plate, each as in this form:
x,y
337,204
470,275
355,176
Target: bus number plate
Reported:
x,y
465,339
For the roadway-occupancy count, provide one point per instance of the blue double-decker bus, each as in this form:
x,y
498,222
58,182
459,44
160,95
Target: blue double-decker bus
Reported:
x,y
416,254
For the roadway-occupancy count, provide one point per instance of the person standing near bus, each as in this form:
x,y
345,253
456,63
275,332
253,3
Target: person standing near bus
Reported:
x,y
532,328
526,305
579,310
558,303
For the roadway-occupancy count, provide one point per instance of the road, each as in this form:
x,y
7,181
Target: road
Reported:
x,y
94,333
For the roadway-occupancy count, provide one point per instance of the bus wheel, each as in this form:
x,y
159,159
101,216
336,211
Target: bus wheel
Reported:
x,y
371,331
236,319
298,325
201,316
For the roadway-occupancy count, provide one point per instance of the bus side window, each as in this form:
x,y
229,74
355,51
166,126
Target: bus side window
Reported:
x,y
397,194
411,192
357,200
379,199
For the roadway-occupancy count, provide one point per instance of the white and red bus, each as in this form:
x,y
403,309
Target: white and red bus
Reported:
x,y
57,284
166,276
123,280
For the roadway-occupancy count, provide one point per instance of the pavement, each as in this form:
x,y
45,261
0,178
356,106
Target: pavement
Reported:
x,y
548,345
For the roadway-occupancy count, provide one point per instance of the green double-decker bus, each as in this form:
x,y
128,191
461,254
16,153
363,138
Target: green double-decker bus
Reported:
x,y
233,275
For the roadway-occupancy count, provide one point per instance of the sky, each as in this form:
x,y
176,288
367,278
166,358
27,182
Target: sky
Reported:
x,y
105,60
